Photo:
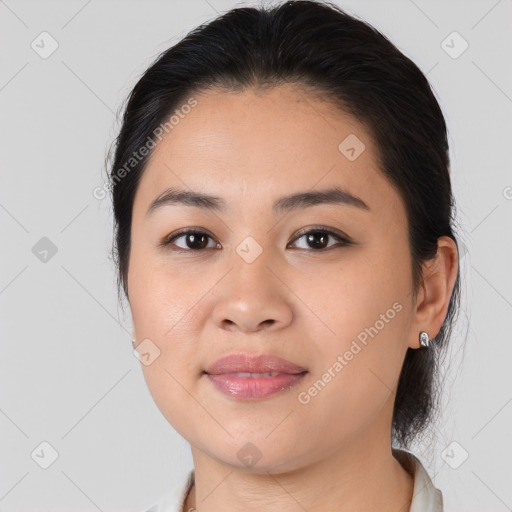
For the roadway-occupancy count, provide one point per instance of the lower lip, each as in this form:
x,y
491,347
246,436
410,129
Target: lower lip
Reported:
x,y
254,387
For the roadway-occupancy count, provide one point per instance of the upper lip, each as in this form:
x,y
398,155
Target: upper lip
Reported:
x,y
251,363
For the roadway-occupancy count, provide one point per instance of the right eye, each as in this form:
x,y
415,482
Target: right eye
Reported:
x,y
193,241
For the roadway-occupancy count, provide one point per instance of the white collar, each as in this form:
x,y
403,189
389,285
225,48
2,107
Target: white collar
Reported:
x,y
425,496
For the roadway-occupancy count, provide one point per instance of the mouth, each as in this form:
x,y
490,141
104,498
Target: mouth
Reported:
x,y
248,376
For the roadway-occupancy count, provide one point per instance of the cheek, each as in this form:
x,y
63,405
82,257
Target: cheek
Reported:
x,y
360,356
364,291
161,297
165,304
355,377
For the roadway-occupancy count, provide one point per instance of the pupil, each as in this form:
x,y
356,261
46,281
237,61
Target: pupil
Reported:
x,y
312,239
194,238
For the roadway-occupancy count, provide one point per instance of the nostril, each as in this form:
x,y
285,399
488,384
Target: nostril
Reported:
x,y
228,324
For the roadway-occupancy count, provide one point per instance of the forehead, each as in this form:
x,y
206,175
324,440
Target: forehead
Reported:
x,y
257,144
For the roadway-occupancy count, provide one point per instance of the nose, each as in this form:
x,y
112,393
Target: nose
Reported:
x,y
252,297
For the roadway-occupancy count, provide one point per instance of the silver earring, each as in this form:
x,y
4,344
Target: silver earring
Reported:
x,y
424,339
133,342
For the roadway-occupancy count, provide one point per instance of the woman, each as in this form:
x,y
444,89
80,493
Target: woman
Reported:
x,y
283,234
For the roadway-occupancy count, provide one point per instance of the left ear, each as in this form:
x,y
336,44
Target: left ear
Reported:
x,y
439,275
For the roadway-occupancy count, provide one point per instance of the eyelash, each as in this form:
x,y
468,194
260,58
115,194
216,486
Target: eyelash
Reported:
x,y
167,241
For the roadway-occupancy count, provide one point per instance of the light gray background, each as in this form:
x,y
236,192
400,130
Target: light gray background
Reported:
x,y
67,373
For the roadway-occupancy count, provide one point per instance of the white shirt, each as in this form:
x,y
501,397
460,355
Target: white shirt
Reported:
x,y
426,497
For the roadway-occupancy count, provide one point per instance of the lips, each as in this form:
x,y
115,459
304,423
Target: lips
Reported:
x,y
251,377
247,364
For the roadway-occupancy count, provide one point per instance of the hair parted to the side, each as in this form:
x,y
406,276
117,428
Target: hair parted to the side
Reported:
x,y
326,52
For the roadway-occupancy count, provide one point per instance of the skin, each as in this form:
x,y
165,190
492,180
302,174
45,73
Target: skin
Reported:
x,y
333,453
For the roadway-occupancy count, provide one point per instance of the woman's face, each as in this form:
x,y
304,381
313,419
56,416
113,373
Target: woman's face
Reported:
x,y
256,285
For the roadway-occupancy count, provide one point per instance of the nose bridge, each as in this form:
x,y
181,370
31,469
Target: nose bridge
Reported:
x,y
251,277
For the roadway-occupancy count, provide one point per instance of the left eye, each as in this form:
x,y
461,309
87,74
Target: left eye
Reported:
x,y
318,238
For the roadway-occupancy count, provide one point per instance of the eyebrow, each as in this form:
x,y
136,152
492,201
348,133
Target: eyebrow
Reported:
x,y
335,195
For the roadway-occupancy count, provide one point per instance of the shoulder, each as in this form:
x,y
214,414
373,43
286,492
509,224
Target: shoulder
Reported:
x,y
174,498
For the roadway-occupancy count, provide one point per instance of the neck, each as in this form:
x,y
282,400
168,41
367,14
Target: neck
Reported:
x,y
363,477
